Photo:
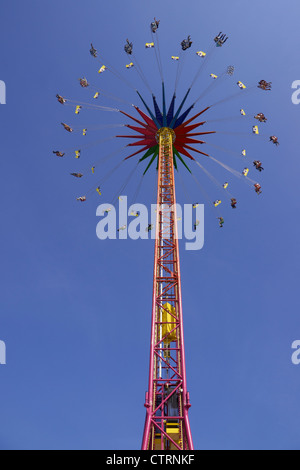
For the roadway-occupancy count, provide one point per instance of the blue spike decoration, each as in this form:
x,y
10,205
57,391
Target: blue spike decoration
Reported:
x,y
170,114
179,109
182,118
149,111
164,105
159,116
166,119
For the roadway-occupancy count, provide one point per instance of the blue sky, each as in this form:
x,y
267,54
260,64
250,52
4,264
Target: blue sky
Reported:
x,y
75,311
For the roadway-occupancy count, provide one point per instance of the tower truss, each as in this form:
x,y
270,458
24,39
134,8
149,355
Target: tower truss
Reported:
x,y
167,424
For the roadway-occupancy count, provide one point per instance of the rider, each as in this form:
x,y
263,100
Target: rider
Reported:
x,y
128,47
258,165
257,188
186,43
233,203
221,221
83,82
93,51
61,99
154,25
68,128
58,154
220,39
263,85
196,224
260,117
274,139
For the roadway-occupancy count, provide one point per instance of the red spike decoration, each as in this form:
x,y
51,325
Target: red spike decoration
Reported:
x,y
182,133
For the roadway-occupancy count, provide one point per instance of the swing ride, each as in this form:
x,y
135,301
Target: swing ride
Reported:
x,y
167,135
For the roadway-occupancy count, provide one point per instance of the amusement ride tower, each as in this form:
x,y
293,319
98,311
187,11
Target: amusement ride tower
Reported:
x,y
165,137
167,400
168,137
165,134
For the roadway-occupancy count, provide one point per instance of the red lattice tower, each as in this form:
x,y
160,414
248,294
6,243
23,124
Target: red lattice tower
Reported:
x,y
167,400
